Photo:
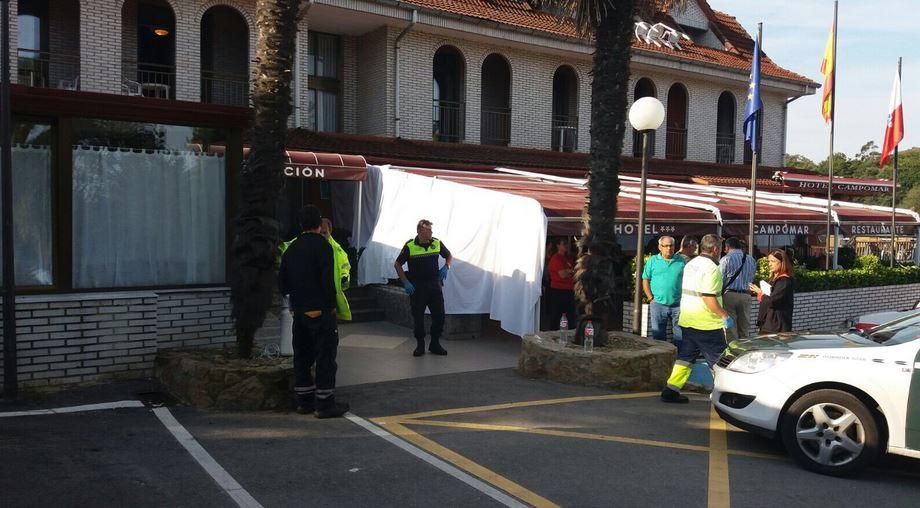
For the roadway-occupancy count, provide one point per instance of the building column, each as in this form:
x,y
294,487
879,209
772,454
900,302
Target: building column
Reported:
x,y
100,46
188,54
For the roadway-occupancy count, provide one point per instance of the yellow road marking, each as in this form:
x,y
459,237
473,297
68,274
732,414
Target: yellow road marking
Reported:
x,y
719,496
470,467
511,405
557,433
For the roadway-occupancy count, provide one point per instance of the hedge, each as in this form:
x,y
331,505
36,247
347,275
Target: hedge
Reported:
x,y
867,273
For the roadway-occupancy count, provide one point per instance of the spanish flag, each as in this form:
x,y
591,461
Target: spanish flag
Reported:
x,y
827,68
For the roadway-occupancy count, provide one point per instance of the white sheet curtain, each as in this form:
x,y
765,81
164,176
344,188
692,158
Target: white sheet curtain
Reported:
x,y
145,218
32,215
497,241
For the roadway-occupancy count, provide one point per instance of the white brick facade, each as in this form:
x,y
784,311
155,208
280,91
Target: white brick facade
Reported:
x,y
72,339
368,103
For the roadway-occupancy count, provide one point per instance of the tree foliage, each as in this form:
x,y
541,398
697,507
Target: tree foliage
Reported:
x,y
864,164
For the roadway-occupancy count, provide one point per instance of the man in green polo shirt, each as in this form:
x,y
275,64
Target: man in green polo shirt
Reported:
x,y
661,282
703,320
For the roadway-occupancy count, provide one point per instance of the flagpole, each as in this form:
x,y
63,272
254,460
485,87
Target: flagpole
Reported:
x,y
753,210
894,189
830,158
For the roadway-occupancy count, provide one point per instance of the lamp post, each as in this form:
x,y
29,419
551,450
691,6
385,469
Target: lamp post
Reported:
x,y
645,115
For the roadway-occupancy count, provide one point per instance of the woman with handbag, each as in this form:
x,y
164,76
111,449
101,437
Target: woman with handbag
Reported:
x,y
776,305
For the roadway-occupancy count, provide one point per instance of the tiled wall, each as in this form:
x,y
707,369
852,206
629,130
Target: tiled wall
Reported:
x,y
80,338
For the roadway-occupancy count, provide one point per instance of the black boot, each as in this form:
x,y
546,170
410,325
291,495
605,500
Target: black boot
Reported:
x,y
419,347
329,408
303,403
435,347
670,395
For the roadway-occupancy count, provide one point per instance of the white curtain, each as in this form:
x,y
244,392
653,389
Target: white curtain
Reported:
x,y
146,218
497,241
32,215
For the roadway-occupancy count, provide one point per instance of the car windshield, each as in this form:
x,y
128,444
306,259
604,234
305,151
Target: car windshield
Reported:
x,y
896,332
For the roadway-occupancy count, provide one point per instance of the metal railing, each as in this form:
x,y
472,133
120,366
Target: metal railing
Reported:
x,y
496,126
448,121
637,143
44,69
676,144
725,148
565,133
226,89
148,79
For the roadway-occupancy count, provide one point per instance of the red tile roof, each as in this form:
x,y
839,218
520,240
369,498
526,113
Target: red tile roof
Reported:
x,y
518,13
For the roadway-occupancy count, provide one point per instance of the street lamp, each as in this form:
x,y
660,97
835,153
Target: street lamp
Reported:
x,y
645,115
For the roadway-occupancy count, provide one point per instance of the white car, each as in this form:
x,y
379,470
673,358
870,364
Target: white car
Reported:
x,y
837,400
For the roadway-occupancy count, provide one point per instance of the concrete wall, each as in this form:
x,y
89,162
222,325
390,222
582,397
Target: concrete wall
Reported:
x,y
89,337
824,310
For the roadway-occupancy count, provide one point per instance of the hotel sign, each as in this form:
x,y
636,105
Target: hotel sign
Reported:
x,y
775,229
847,187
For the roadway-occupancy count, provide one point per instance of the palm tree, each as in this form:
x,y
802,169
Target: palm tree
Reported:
x,y
252,276
600,263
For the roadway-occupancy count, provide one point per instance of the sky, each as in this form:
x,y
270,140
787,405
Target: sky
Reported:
x,y
870,38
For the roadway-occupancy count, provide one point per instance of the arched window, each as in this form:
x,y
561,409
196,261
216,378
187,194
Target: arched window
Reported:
x,y
565,110
448,112
224,57
148,49
495,128
725,129
644,88
676,141
48,44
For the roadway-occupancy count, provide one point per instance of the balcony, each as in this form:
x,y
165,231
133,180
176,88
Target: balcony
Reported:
x,y
725,148
676,144
496,126
224,89
448,121
148,80
565,133
44,69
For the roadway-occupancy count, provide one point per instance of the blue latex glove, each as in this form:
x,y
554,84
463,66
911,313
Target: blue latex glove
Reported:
x,y
410,289
442,273
728,322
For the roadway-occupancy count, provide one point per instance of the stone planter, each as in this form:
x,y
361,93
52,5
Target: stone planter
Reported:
x,y
628,362
215,379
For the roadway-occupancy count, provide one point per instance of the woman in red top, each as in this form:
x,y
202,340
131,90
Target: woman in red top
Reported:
x,y
561,293
775,313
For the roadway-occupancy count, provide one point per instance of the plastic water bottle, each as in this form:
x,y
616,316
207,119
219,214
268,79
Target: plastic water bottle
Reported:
x,y
589,337
563,330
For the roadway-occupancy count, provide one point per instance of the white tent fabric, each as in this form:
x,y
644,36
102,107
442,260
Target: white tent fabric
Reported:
x,y
496,239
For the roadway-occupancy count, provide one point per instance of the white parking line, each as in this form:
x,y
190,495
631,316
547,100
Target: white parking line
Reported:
x,y
75,409
470,480
218,473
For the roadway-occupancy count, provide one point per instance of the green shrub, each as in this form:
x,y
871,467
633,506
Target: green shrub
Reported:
x,y
868,262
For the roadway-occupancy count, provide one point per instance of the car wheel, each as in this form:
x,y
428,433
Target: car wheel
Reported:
x,y
831,432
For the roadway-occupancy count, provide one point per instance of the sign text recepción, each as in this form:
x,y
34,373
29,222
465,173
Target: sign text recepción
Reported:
x,y
303,171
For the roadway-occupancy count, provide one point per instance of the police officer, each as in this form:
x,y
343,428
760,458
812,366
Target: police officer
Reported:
x,y
306,277
423,283
703,320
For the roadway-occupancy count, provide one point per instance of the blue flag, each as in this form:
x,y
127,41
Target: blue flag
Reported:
x,y
754,104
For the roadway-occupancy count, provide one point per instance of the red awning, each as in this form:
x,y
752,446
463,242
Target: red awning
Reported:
x,y
323,166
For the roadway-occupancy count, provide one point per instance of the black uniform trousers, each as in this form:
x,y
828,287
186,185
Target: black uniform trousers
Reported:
x,y
428,295
316,340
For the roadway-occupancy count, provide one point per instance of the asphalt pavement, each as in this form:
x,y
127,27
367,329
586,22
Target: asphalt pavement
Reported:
x,y
487,438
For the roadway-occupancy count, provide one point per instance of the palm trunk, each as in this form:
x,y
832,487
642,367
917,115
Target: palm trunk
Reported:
x,y
252,276
600,261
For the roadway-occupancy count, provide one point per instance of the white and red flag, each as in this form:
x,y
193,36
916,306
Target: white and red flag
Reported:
x,y
894,129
